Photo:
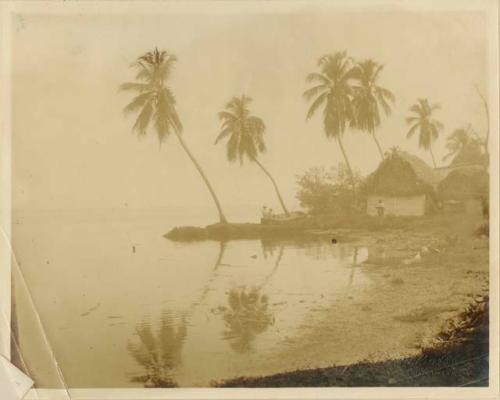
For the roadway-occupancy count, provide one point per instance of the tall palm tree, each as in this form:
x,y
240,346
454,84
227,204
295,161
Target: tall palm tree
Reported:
x,y
155,103
332,90
423,122
246,136
368,98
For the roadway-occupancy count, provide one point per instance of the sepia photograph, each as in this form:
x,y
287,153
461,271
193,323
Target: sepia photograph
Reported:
x,y
250,194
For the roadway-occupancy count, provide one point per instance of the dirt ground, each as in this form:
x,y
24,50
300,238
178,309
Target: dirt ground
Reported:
x,y
423,276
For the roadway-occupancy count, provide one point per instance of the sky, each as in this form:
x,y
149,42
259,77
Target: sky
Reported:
x,y
73,148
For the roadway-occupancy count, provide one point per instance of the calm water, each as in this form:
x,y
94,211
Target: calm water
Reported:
x,y
122,306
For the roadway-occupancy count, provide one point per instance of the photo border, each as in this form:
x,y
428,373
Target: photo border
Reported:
x,y
9,8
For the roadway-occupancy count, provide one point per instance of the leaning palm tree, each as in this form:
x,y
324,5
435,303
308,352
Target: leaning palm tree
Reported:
x,y
368,98
425,124
246,136
155,103
332,89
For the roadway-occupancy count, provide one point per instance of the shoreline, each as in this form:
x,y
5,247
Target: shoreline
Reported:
x,y
307,226
457,358
424,274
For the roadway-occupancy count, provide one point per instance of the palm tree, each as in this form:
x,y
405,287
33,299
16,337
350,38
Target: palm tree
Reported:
x,y
424,122
465,146
457,141
155,103
246,136
487,112
369,98
332,90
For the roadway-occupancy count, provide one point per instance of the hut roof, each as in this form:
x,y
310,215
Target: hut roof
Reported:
x,y
464,183
423,171
401,174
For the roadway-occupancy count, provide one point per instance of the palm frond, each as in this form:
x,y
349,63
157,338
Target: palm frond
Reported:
x,y
410,120
435,106
144,118
416,108
166,105
162,126
256,125
224,133
138,102
318,77
412,130
377,70
314,91
316,104
383,102
439,126
134,86
232,147
144,73
164,70
387,94
226,115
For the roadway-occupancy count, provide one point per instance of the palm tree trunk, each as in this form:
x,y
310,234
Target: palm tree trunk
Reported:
x,y
432,155
351,174
222,217
378,146
486,109
275,186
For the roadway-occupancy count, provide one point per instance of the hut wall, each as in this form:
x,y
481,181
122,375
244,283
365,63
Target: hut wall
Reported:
x,y
468,206
400,206
473,206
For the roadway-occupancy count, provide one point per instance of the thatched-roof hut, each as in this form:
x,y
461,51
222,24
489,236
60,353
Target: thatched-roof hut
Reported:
x,y
464,190
403,184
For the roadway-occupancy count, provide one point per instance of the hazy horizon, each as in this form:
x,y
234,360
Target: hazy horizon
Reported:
x,y
73,147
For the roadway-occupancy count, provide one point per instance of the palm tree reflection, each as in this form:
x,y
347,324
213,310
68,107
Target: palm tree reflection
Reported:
x,y
158,354
246,316
354,265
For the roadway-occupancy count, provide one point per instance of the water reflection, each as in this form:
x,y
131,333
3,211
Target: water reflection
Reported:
x,y
246,316
269,247
158,354
213,275
354,265
376,255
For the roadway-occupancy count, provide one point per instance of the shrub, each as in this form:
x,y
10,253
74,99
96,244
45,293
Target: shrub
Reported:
x,y
323,191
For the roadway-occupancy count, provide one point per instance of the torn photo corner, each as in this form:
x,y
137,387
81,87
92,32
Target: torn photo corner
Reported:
x,y
246,199
14,384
